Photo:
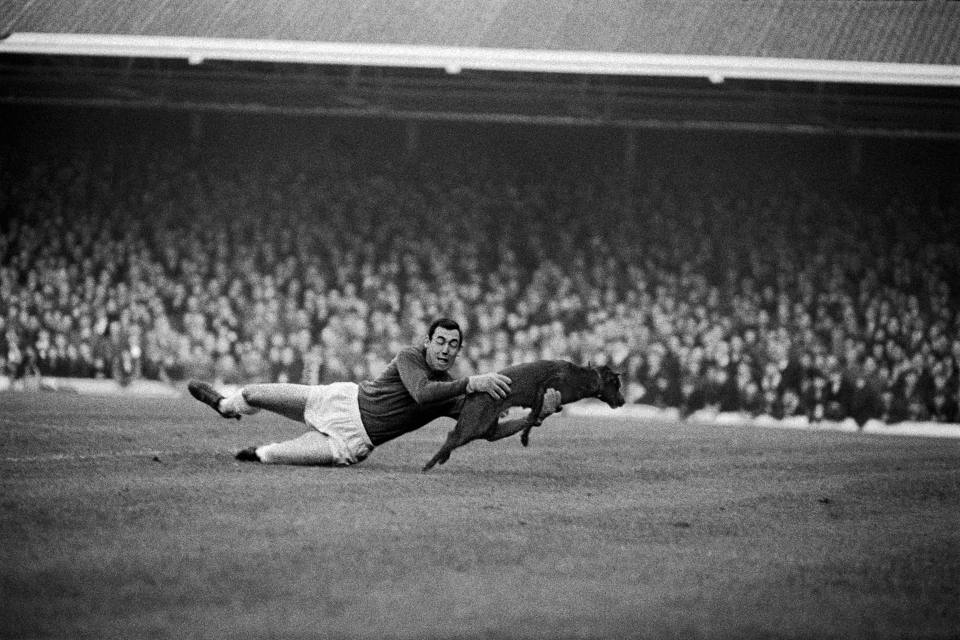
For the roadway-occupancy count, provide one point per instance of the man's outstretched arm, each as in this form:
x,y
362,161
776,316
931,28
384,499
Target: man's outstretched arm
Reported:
x,y
506,428
415,375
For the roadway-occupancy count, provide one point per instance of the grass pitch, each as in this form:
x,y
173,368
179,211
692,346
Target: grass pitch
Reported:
x,y
130,518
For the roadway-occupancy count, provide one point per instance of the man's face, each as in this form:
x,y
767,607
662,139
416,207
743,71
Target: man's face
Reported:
x,y
442,348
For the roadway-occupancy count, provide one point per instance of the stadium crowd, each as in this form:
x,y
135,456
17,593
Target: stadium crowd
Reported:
x,y
763,294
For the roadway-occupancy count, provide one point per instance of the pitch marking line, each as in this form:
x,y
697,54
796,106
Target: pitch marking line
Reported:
x,y
8,422
105,455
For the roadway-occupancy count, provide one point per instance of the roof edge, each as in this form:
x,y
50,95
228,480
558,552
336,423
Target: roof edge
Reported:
x,y
456,59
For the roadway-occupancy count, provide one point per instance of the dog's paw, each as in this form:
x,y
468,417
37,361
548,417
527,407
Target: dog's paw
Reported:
x,y
435,460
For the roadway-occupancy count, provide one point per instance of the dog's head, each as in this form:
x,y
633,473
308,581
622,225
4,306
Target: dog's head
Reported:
x,y
609,390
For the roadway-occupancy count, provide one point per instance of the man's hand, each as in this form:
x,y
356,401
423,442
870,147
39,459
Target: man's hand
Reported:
x,y
495,384
551,403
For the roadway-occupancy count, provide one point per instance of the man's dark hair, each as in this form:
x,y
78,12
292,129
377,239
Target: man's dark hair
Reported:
x,y
444,323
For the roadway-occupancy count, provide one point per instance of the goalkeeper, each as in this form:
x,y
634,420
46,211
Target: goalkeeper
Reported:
x,y
347,420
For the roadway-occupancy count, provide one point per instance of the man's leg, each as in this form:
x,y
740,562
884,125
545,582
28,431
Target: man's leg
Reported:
x,y
312,448
288,400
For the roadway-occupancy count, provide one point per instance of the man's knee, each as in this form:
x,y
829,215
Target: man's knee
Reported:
x,y
254,393
552,403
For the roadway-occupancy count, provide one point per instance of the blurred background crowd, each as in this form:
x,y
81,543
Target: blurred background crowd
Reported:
x,y
763,292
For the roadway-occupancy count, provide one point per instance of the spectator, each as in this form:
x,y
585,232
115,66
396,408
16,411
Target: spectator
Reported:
x,y
943,406
837,394
864,400
910,394
203,274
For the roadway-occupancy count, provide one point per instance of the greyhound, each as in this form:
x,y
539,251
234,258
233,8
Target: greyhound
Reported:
x,y
480,413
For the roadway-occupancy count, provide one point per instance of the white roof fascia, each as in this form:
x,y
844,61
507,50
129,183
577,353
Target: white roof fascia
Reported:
x,y
456,59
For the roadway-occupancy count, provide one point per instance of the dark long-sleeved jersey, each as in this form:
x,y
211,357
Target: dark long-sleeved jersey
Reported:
x,y
408,395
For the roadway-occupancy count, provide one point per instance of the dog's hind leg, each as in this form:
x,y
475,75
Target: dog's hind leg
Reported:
x,y
449,445
457,437
470,426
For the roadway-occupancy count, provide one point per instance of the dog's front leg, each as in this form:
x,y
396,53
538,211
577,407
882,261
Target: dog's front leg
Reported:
x,y
533,418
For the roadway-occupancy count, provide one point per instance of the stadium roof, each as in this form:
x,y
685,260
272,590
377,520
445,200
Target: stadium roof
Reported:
x,y
860,67
885,41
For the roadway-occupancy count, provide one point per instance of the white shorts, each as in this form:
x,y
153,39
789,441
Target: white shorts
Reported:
x,y
332,410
